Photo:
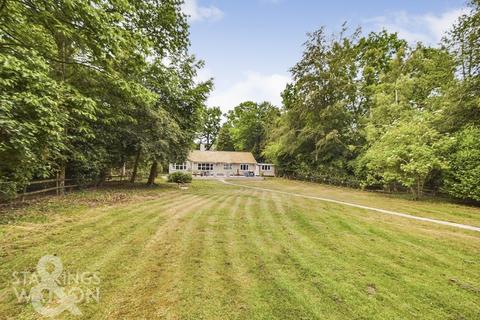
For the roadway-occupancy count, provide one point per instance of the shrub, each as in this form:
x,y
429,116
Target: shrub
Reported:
x,y
180,177
463,179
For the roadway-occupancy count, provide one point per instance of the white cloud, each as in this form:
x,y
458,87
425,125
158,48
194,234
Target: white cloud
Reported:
x,y
198,13
427,28
254,86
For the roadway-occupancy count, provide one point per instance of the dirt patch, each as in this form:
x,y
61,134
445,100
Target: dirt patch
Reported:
x,y
371,289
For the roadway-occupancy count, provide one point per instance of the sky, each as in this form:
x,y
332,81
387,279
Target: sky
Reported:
x,y
249,45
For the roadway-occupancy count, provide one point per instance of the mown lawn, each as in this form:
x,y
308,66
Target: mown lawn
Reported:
x,y
224,252
430,207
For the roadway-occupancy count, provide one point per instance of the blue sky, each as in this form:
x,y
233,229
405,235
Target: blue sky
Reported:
x,y
249,45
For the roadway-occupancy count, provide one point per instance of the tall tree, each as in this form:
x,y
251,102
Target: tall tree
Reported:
x,y
460,115
210,128
320,107
463,42
248,125
109,81
224,140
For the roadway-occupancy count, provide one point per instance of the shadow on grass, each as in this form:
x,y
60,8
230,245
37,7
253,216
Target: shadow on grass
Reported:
x,y
41,208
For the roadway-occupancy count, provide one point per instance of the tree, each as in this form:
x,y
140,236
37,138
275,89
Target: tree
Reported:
x,y
177,114
412,88
210,126
224,140
463,103
463,178
248,125
356,104
407,154
31,121
98,84
321,106
463,41
416,82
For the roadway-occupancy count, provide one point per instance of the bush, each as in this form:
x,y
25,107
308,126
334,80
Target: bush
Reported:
x,y
463,179
180,177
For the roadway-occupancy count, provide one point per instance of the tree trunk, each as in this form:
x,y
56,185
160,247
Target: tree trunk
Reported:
x,y
124,169
102,178
135,166
61,180
153,173
419,188
414,193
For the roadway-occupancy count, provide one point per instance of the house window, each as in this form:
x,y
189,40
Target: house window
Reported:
x,y
266,167
227,166
180,166
244,167
205,166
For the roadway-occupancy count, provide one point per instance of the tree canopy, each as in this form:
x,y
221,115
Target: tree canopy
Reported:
x,y
247,127
91,86
88,86
384,112
210,128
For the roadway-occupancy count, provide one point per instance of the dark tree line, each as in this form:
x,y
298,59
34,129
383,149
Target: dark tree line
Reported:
x,y
384,113
89,86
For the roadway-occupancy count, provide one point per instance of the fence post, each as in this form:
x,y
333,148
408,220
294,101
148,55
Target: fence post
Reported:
x,y
23,193
62,180
123,171
57,184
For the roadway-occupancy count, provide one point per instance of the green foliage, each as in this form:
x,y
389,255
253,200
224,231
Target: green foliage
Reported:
x,y
248,126
180,177
407,154
31,121
463,43
463,180
321,128
87,87
210,126
374,110
224,140
403,145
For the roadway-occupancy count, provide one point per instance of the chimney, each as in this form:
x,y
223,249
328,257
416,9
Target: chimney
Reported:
x,y
202,147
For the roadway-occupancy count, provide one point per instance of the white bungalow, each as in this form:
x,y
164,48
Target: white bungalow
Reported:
x,y
223,164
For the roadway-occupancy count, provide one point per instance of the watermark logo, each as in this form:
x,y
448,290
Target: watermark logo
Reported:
x,y
52,291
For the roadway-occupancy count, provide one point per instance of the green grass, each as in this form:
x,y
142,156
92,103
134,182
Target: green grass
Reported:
x,y
437,208
224,252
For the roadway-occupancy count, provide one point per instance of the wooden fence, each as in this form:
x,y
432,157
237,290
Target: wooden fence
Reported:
x,y
44,186
58,186
351,182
